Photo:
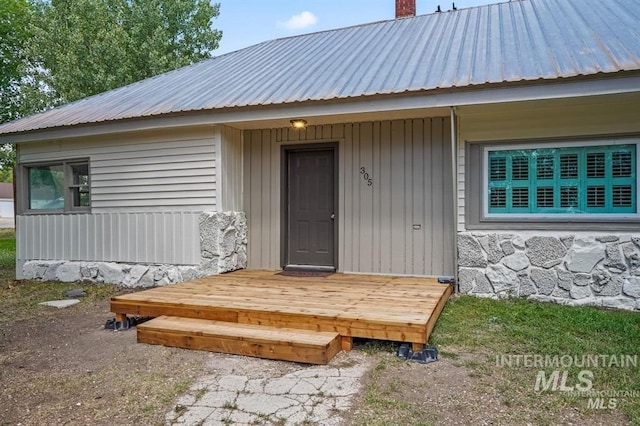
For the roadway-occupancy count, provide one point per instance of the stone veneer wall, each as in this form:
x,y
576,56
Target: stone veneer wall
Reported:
x,y
223,248
572,269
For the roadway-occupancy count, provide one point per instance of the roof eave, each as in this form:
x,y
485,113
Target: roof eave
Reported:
x,y
622,82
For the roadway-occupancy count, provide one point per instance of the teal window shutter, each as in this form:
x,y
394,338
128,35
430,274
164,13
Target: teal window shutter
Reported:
x,y
572,180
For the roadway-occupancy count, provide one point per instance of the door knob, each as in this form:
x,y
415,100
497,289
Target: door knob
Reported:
x,y
333,216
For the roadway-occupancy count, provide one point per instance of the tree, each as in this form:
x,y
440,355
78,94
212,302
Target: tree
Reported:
x,y
57,51
15,32
15,17
87,47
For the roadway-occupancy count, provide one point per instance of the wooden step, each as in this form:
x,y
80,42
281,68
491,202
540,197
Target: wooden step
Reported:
x,y
260,341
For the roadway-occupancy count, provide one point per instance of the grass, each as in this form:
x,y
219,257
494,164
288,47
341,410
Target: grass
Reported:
x,y
200,393
471,332
7,248
373,347
383,406
519,327
230,405
20,300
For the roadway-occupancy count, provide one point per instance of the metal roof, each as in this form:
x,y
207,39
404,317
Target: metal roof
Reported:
x,y
522,40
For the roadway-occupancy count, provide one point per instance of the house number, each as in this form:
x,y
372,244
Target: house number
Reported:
x,y
366,177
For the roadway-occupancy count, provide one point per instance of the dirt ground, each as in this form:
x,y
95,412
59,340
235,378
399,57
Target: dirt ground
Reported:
x,y
61,367
64,368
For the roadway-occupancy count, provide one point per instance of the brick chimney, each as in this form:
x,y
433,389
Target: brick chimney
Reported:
x,y
405,8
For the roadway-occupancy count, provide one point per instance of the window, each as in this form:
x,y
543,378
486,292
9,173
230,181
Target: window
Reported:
x,y
79,187
57,187
562,180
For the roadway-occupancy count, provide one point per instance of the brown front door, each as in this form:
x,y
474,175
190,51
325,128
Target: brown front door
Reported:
x,y
310,209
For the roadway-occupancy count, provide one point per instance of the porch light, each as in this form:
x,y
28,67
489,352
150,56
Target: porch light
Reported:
x,y
299,124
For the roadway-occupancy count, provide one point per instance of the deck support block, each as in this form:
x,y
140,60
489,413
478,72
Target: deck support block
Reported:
x,y
121,317
346,343
417,347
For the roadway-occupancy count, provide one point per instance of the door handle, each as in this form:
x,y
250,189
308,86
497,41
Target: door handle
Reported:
x,y
333,216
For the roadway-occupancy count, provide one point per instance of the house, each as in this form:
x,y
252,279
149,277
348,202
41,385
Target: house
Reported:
x,y
6,200
497,144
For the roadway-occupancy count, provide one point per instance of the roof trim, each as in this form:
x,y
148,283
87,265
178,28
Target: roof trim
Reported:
x,y
372,104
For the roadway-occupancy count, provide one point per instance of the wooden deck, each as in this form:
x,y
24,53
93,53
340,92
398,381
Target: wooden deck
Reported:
x,y
369,306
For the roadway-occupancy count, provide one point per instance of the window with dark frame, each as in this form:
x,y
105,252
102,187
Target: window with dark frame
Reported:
x,y
79,187
57,187
566,180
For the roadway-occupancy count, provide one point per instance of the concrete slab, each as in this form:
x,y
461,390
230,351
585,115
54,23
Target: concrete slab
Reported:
x,y
60,303
256,391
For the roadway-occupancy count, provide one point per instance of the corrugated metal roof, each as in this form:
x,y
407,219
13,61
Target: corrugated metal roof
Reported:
x,y
523,40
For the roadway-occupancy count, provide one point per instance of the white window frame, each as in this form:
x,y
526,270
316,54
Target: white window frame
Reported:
x,y
551,145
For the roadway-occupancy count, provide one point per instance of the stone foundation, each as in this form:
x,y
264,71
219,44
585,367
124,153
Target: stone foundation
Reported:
x,y
223,248
572,269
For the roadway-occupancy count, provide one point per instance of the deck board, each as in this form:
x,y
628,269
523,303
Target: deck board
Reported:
x,y
369,306
242,339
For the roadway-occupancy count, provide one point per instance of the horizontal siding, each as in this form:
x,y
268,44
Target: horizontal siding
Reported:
x,y
177,204
585,117
171,238
204,172
165,180
409,161
550,119
141,189
148,172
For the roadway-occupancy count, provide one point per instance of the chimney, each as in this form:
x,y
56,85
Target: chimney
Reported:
x,y
405,8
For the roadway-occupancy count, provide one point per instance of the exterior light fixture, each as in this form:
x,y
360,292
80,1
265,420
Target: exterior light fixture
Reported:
x,y
299,124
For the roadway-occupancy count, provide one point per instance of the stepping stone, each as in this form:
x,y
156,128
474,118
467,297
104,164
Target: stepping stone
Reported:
x,y
60,303
76,292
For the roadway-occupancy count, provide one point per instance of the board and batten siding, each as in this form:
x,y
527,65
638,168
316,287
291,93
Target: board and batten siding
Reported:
x,y
152,172
409,163
229,159
171,238
540,120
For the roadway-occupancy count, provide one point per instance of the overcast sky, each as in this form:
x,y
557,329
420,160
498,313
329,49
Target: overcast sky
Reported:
x,y
247,22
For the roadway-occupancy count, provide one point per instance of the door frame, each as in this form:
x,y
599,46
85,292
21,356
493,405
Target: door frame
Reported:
x,y
285,150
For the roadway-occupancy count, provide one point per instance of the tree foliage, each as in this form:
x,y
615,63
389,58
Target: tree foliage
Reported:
x,y
58,51
90,46
15,18
14,32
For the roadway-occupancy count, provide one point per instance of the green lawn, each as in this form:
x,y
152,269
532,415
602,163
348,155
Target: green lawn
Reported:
x,y
519,327
469,384
7,248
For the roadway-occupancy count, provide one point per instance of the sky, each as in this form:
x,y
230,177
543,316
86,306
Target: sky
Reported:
x,y
248,22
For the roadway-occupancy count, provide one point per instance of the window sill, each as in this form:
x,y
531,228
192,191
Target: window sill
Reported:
x,y
562,224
